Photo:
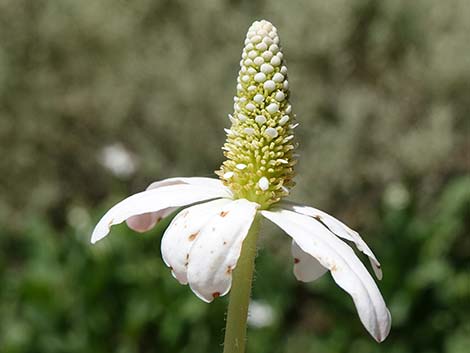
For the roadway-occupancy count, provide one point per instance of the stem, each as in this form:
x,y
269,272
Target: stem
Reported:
x,y
235,331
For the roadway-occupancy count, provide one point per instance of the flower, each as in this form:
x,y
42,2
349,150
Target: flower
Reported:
x,y
204,241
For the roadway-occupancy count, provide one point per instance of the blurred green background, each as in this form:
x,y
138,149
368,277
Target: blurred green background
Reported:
x,y
100,98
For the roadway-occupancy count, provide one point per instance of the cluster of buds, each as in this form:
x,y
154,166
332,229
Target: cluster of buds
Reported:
x,y
259,148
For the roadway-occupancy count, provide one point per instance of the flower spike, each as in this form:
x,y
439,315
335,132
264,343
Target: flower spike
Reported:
x,y
259,147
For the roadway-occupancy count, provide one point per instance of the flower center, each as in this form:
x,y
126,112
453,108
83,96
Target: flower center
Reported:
x,y
259,146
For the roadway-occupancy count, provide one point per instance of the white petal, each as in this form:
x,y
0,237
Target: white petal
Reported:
x,y
212,183
306,267
144,222
346,269
152,201
339,229
215,253
181,234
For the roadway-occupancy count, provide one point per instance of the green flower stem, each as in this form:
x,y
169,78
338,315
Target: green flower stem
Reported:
x,y
240,293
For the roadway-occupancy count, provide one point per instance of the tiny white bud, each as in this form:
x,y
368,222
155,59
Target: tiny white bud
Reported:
x,y
249,131
269,85
267,40
284,120
260,77
260,119
261,46
263,183
228,175
258,98
252,88
266,68
285,84
246,78
273,48
242,117
280,96
258,60
232,120
255,39
267,55
271,132
249,47
289,109
251,70
278,77
272,108
275,61
252,54
240,166
250,107
284,70
248,62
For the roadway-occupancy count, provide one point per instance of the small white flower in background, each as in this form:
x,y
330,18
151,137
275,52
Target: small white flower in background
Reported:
x,y
118,160
203,242
260,314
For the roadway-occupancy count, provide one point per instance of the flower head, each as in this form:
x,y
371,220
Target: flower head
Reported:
x,y
259,147
203,242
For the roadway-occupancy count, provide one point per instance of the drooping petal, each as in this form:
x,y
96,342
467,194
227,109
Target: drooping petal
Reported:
x,y
346,269
306,267
145,222
338,228
211,183
215,253
152,201
182,232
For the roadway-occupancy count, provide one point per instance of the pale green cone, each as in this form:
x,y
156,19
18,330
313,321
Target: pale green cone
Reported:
x,y
259,146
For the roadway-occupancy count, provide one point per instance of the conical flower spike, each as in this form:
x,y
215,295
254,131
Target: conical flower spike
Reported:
x,y
259,147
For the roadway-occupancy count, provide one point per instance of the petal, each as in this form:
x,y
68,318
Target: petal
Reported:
x,y
346,269
339,229
211,183
145,222
152,201
182,232
306,267
215,253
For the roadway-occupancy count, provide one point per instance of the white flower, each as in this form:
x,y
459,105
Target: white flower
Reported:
x,y
203,242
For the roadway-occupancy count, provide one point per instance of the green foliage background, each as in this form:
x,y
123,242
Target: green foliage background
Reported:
x,y
381,89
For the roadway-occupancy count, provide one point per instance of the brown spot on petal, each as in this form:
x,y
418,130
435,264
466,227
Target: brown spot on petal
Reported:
x,y
225,243
193,236
215,295
159,219
318,218
334,268
296,260
223,213
229,270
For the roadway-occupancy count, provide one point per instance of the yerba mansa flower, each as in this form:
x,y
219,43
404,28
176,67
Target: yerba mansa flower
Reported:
x,y
203,242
